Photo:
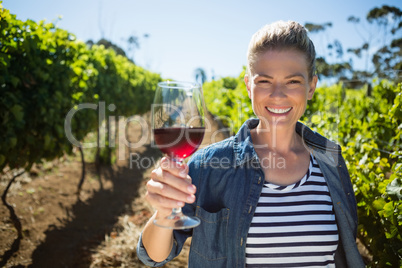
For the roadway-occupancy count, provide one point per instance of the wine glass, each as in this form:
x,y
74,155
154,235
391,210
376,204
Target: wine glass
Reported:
x,y
178,126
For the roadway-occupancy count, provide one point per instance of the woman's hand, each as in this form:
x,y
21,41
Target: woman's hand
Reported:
x,y
169,187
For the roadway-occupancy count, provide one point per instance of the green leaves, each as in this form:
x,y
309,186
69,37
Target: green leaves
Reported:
x,y
45,73
369,131
379,204
394,189
18,112
227,99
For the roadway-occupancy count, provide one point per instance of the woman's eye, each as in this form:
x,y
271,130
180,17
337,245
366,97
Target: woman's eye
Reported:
x,y
294,82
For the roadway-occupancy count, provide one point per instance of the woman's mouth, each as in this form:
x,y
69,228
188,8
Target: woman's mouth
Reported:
x,y
278,110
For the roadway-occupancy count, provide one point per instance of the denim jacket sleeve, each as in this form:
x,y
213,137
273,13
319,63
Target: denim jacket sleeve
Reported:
x,y
179,236
178,241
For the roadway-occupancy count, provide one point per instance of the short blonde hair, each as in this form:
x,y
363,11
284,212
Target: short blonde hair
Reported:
x,y
281,35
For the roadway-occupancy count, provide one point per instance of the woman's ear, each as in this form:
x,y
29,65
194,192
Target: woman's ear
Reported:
x,y
247,82
313,85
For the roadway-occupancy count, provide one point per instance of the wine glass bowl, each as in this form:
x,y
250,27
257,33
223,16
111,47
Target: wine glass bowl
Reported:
x,y
178,127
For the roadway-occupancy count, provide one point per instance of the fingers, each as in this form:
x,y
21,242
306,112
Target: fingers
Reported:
x,y
170,186
175,177
166,191
155,202
176,169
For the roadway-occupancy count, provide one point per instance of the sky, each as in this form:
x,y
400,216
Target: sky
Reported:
x,y
178,36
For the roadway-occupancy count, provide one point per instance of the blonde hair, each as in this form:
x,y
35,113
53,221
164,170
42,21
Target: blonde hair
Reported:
x,y
281,35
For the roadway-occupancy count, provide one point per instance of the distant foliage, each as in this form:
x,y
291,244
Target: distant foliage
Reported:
x,y
380,50
44,73
369,128
227,99
370,131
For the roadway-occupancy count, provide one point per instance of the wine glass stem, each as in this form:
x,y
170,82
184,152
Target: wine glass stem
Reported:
x,y
176,212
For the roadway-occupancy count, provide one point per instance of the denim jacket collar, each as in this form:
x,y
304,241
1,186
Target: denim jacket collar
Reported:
x,y
243,148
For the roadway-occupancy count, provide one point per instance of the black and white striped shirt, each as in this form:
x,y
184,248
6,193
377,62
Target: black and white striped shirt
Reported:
x,y
294,226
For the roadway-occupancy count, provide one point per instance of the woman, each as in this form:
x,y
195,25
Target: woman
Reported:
x,y
276,194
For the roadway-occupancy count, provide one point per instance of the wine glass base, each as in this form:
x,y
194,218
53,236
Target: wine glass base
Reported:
x,y
178,222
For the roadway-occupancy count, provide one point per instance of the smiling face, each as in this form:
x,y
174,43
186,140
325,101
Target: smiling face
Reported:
x,y
279,87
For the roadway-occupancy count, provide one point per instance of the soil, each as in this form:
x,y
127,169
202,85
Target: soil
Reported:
x,y
63,229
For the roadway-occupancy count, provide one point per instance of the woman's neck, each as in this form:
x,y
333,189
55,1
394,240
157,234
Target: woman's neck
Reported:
x,y
283,141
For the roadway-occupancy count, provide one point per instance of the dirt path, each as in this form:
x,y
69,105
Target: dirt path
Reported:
x,y
61,230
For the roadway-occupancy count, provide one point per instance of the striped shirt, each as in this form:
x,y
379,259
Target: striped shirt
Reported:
x,y
294,225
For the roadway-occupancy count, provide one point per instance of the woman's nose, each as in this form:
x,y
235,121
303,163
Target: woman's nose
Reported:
x,y
278,91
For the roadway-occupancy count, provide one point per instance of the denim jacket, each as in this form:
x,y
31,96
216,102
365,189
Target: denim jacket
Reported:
x,y
229,181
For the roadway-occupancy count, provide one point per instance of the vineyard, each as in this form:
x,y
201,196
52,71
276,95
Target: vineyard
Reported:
x,y
67,110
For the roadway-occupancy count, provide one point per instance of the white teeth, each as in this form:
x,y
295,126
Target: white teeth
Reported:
x,y
278,111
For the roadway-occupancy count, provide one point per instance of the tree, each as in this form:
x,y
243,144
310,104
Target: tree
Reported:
x,y
200,75
378,34
383,24
316,28
133,43
108,44
338,68
388,57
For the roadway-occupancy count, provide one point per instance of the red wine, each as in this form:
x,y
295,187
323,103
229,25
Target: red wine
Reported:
x,y
178,142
